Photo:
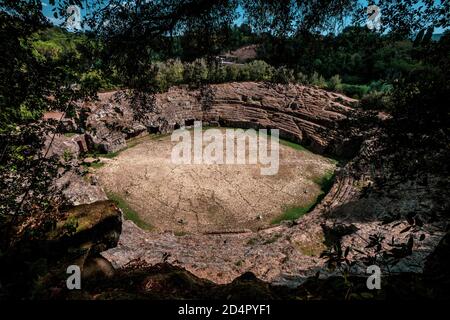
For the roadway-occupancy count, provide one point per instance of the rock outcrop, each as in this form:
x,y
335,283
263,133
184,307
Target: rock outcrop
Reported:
x,y
95,227
33,265
303,114
79,190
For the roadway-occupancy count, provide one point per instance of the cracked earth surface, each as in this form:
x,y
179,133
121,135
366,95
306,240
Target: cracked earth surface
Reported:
x,y
203,198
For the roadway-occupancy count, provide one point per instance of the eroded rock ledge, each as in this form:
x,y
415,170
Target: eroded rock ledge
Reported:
x,y
302,114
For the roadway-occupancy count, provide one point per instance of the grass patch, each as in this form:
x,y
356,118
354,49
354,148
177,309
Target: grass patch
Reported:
x,y
128,213
293,145
111,154
69,134
96,165
325,182
293,213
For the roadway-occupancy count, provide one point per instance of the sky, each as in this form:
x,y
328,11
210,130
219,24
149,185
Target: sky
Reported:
x,y
49,14
47,10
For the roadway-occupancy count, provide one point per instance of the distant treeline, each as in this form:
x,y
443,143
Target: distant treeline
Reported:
x,y
357,62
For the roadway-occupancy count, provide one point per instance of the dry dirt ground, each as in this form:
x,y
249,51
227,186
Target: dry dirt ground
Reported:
x,y
203,198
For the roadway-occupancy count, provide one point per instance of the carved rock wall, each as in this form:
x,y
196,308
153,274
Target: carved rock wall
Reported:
x,y
302,114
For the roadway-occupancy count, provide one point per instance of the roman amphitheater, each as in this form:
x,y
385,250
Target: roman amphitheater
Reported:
x,y
219,221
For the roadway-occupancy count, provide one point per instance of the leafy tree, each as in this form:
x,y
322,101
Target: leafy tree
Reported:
x,y
170,73
196,73
259,71
283,75
232,72
32,81
335,83
317,80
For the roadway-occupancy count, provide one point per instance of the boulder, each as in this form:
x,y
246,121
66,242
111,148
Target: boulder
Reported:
x,y
80,190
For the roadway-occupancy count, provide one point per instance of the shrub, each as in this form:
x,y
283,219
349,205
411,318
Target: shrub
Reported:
x,y
335,83
47,50
195,73
70,226
28,114
244,73
232,73
94,80
380,86
216,73
354,90
283,75
317,80
169,73
375,101
259,70
301,78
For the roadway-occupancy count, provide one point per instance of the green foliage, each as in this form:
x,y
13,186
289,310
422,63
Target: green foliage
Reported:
x,y
217,73
55,43
301,78
67,155
325,182
358,55
27,114
393,59
335,83
355,91
317,80
293,213
293,145
259,70
97,165
381,58
94,80
232,72
380,86
174,72
128,212
283,75
170,73
70,226
195,73
375,101
46,50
